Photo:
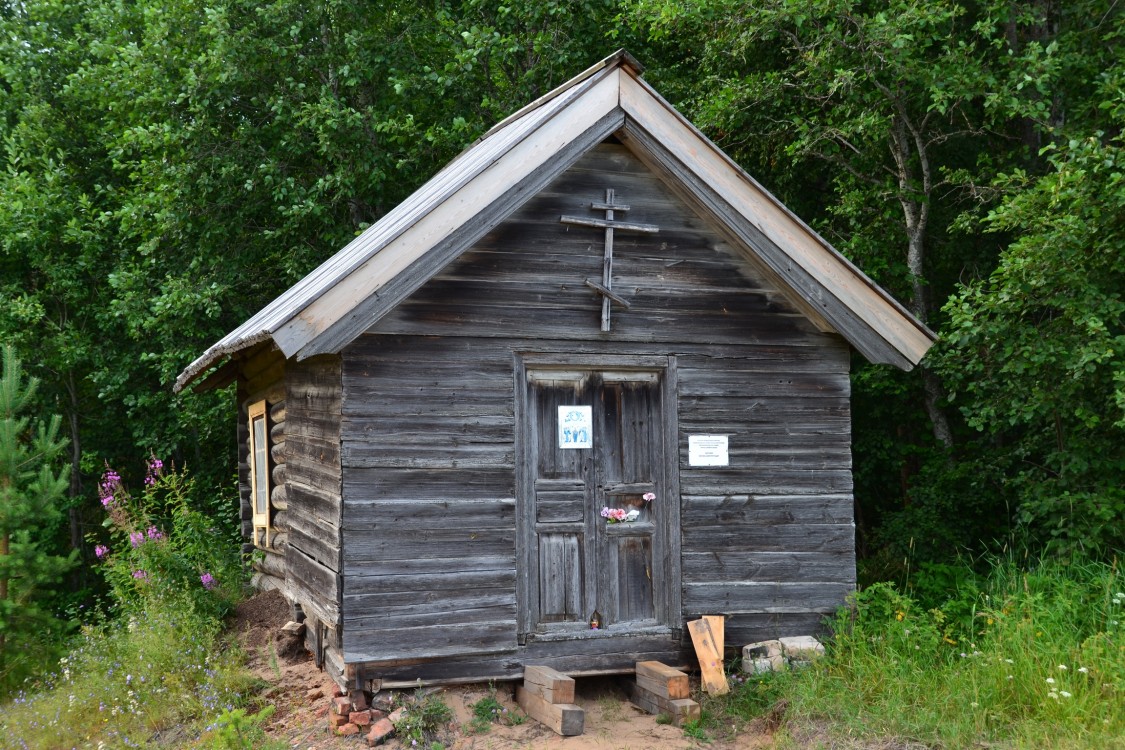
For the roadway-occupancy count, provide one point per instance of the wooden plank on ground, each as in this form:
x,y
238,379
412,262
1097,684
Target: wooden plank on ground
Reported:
x,y
717,624
678,709
548,684
663,680
566,719
710,659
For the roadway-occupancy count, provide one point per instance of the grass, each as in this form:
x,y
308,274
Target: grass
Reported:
x,y
1033,658
127,681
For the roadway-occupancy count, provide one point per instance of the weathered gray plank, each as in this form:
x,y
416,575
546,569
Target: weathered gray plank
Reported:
x,y
716,566
729,597
429,641
789,538
766,509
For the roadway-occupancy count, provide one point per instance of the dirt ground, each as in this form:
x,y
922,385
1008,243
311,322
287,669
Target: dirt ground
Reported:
x,y
611,722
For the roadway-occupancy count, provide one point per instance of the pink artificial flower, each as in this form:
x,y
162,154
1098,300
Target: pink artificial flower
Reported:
x,y
649,497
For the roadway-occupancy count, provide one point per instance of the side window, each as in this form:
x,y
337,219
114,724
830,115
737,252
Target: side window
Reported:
x,y
260,472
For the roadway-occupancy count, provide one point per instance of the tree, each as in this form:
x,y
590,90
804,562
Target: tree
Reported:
x,y
1036,351
32,484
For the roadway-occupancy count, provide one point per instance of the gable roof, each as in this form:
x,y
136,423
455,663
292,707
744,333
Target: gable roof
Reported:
x,y
350,291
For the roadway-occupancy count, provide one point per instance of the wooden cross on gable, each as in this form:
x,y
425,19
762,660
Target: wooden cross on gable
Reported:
x,y
605,288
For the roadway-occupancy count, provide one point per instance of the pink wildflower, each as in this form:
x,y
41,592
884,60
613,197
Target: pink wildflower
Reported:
x,y
136,538
140,575
154,533
208,581
101,550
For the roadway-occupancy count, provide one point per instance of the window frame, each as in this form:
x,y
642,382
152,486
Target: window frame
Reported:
x,y
259,471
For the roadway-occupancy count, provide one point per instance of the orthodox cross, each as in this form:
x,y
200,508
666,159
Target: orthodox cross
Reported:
x,y
605,288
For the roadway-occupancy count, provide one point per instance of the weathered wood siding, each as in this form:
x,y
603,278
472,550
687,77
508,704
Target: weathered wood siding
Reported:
x,y
312,489
428,433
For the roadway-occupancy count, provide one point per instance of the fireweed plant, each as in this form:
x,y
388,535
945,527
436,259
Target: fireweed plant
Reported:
x,y
160,548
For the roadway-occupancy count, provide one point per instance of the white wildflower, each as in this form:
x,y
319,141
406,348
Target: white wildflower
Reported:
x,y
1050,680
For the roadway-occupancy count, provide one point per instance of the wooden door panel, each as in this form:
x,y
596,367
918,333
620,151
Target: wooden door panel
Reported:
x,y
633,567
561,578
560,501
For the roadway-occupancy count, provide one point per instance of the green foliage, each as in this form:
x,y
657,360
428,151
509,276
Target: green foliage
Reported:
x,y
1036,352
489,710
163,550
1036,655
237,730
426,720
32,485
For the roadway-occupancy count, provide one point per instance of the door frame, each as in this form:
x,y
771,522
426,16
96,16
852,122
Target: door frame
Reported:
x,y
667,602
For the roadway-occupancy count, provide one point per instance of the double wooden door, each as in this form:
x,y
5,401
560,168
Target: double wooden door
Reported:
x,y
594,447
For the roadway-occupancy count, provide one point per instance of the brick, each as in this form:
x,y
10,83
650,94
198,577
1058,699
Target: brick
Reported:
x,y
397,715
341,705
321,711
359,700
336,721
360,718
347,730
380,731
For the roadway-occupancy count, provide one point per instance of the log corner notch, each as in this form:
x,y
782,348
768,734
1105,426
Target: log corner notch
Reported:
x,y
548,697
661,689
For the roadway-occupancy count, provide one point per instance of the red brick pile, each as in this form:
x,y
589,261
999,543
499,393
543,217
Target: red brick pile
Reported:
x,y
350,715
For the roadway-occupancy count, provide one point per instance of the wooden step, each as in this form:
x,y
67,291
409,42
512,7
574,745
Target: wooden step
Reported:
x,y
660,689
565,719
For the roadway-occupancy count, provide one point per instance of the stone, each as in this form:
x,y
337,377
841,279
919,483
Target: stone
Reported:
x,y
360,718
347,730
762,657
802,648
763,666
397,715
761,650
315,693
296,628
380,731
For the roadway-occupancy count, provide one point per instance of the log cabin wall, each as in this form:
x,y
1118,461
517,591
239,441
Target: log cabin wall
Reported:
x,y
429,434
261,378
